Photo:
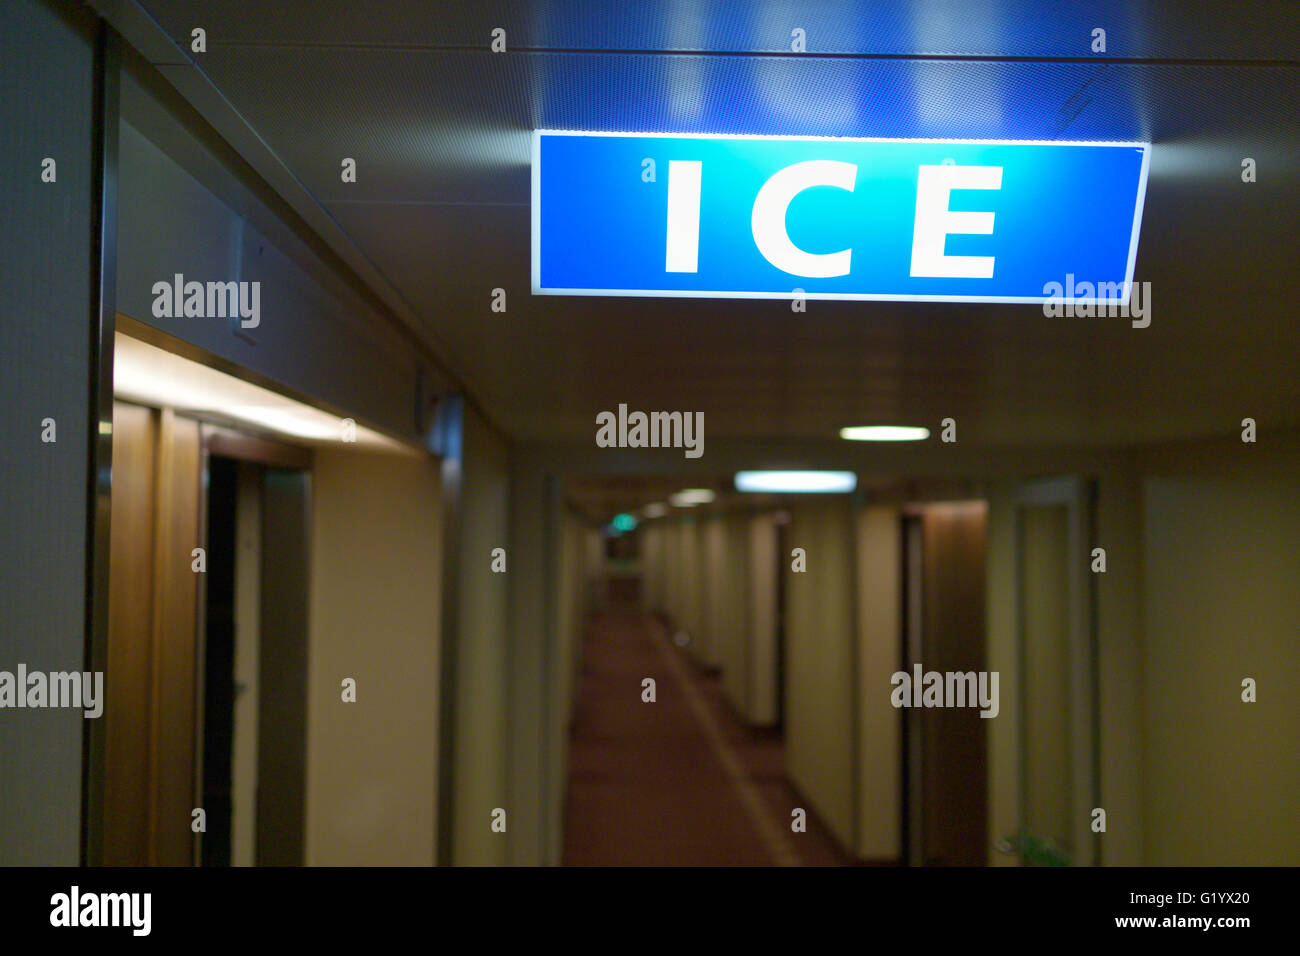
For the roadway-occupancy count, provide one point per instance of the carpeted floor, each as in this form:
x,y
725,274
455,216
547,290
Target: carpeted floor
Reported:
x,y
677,782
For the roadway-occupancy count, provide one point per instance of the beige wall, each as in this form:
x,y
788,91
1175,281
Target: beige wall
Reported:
x,y
879,586
1221,543
761,620
1002,653
593,552
697,584
1199,592
1119,672
1049,784
1119,645
711,546
572,612
728,612
375,566
820,663
649,559
691,585
677,607
711,543
666,533
481,760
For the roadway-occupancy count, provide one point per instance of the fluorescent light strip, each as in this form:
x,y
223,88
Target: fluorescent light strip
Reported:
x,y
885,433
797,482
691,497
152,376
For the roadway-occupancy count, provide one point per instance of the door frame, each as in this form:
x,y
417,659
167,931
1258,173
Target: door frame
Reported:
x,y
270,453
1078,496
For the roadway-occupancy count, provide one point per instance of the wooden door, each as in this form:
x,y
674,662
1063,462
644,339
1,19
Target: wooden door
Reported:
x,y
149,732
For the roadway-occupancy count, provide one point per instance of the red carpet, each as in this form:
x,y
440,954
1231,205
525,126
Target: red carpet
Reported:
x,y
646,786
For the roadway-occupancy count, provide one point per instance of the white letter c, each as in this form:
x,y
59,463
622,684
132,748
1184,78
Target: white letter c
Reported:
x,y
769,217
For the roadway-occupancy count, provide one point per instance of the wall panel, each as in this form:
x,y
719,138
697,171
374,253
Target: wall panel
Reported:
x,y
879,586
820,658
764,567
46,110
318,335
1221,527
375,600
483,674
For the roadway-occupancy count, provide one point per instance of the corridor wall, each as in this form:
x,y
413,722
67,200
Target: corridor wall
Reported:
x,y
571,626
691,583
879,627
729,582
764,567
651,543
1118,597
47,88
675,603
376,559
174,173
481,756
572,611
820,661
706,641
1221,549
713,558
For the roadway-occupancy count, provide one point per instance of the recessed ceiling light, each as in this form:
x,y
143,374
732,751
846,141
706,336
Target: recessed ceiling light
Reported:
x,y
656,510
885,433
691,497
797,482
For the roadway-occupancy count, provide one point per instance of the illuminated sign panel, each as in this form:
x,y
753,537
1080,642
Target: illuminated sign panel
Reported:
x,y
762,217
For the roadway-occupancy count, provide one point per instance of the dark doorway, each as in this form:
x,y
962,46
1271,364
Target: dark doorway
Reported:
x,y
255,653
219,663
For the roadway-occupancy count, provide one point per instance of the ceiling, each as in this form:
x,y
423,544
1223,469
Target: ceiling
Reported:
x,y
439,126
597,498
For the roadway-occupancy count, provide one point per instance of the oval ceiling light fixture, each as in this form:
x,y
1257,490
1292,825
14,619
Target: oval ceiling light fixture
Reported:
x,y
690,497
797,482
885,433
656,510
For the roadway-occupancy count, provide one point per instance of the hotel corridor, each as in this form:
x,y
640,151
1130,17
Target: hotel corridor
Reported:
x,y
740,435
676,782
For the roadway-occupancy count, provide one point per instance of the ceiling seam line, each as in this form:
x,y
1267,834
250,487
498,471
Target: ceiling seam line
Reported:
x,y
766,54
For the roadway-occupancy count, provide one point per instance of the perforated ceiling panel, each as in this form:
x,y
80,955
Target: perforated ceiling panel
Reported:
x,y
1213,29
439,127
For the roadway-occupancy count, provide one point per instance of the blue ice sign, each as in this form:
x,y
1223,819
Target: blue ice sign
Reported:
x,y
762,217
